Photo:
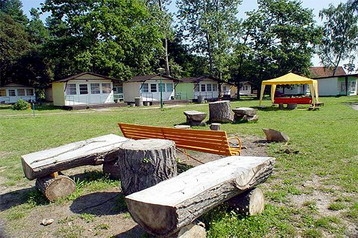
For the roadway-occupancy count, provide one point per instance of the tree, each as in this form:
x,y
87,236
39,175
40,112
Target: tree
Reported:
x,y
14,9
340,35
279,37
211,28
116,37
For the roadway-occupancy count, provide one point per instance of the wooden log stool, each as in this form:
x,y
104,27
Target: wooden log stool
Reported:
x,y
195,118
144,163
220,111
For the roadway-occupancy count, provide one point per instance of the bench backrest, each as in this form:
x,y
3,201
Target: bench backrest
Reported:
x,y
215,142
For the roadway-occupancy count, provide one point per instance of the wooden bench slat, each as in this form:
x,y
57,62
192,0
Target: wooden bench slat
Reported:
x,y
215,142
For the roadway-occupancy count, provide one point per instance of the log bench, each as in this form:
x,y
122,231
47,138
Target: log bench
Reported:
x,y
46,165
207,141
195,118
163,209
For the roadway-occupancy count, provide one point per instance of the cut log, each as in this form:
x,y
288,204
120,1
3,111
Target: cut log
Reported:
x,y
190,231
249,203
166,207
215,126
55,187
144,163
88,152
195,118
220,111
275,136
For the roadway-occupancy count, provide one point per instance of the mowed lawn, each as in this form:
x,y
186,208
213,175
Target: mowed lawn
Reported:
x,y
311,193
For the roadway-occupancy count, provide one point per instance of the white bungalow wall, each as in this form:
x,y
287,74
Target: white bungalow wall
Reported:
x,y
80,97
13,92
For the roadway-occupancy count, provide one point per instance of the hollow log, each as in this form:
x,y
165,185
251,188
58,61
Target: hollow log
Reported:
x,y
55,187
249,203
144,163
93,151
220,111
172,204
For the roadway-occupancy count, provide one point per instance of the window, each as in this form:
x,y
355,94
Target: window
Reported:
x,y
21,92
71,89
12,92
145,88
83,89
95,88
208,87
29,92
215,87
169,87
2,92
153,87
106,88
202,87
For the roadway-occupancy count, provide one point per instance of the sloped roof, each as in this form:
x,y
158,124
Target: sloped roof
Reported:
x,y
84,73
324,72
143,78
198,79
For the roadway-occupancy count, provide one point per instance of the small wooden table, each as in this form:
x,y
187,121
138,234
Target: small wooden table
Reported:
x,y
195,118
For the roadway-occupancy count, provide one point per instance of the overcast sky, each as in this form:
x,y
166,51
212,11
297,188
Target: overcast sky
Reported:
x,y
247,5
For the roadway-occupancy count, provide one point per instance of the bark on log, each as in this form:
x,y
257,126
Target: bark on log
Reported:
x,y
144,163
55,187
166,207
220,111
88,152
249,203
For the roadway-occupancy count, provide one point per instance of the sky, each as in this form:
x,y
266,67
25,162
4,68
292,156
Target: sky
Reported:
x,y
247,5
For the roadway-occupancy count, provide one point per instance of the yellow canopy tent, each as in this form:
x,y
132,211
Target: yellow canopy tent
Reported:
x,y
290,78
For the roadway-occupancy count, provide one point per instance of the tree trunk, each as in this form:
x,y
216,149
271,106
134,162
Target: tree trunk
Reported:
x,y
172,204
55,187
220,111
144,163
249,203
93,151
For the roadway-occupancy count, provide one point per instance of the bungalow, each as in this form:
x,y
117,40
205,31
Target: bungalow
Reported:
x,y
339,84
12,92
148,88
84,89
204,87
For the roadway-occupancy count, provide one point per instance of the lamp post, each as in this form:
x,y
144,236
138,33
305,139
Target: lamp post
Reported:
x,y
161,71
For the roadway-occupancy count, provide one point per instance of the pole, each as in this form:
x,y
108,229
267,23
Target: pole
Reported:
x,y
161,93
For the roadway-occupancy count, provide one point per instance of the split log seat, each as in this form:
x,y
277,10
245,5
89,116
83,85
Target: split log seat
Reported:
x,y
166,207
293,100
46,165
207,141
195,118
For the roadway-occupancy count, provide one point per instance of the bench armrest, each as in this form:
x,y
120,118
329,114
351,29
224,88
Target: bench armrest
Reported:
x,y
235,147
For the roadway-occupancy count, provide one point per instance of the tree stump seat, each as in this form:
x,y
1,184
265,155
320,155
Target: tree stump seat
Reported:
x,y
46,165
165,208
195,118
245,114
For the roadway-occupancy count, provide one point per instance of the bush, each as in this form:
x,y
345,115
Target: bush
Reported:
x,y
21,105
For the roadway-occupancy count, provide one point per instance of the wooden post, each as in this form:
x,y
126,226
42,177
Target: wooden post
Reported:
x,y
220,111
144,163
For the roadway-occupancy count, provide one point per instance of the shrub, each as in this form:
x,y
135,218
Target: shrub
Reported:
x,y
21,105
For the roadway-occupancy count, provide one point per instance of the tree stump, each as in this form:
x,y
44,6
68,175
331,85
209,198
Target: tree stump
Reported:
x,y
55,186
245,114
249,203
220,111
215,126
195,118
144,163
275,136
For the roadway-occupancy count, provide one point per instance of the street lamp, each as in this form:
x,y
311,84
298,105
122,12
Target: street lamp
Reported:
x,y
161,72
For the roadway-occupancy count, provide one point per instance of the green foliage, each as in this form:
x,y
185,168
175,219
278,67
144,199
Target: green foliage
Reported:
x,y
340,38
21,105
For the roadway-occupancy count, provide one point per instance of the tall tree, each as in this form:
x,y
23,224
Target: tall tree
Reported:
x,y
340,37
14,9
118,38
279,37
210,27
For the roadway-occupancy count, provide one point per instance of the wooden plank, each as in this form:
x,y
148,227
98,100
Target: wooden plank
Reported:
x,y
166,207
87,152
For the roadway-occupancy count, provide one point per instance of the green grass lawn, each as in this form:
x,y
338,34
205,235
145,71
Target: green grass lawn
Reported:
x,y
312,193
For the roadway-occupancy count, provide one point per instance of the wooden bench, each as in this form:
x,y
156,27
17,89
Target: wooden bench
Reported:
x,y
207,141
293,100
46,165
167,207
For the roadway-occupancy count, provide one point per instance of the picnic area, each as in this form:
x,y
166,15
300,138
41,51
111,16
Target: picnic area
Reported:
x,y
309,191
